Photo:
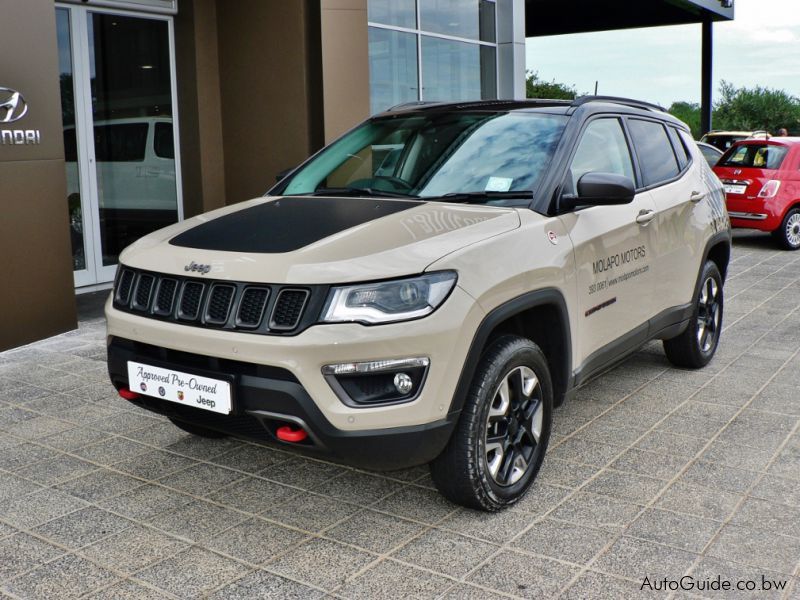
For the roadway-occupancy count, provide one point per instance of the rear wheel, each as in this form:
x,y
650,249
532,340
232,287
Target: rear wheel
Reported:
x,y
197,429
695,347
788,236
501,437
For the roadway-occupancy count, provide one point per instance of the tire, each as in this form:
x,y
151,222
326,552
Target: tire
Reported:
x,y
197,430
477,472
788,236
695,347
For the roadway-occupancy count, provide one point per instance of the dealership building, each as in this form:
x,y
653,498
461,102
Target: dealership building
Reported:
x,y
118,117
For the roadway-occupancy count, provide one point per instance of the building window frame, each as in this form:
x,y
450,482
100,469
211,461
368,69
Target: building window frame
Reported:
x,y
419,33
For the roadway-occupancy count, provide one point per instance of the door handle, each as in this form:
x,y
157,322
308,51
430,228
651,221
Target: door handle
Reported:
x,y
697,196
645,216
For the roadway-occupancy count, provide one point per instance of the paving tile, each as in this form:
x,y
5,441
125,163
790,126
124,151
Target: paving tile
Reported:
x,y
498,527
253,494
22,455
445,552
202,448
264,585
611,434
651,464
82,527
154,464
133,548
145,502
160,435
778,490
671,443
778,519
98,485
124,422
112,450
56,470
40,427
563,473
192,572
255,540
597,586
586,452
127,590
709,569
27,511
67,577
592,510
200,479
787,463
706,502
540,498
321,563
402,580
376,532
357,487
737,456
300,472
466,591
197,520
250,458
627,486
563,541
681,531
22,552
12,486
310,512
716,475
636,559
72,439
417,503
756,548
524,575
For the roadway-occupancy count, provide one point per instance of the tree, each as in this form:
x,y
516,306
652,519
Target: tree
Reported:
x,y
689,113
755,108
536,88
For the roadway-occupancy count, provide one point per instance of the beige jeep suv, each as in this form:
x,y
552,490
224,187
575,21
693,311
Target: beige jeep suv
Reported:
x,y
429,287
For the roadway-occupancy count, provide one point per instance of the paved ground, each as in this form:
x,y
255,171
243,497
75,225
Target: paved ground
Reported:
x,y
653,472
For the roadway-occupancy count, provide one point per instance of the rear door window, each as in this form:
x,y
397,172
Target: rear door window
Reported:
x,y
758,156
653,148
163,143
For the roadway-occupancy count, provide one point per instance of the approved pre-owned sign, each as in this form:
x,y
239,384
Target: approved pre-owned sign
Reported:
x,y
181,388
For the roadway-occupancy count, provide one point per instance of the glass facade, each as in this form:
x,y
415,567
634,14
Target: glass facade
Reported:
x,y
432,50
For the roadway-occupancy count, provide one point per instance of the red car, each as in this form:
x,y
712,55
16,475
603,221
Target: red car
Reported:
x,y
762,186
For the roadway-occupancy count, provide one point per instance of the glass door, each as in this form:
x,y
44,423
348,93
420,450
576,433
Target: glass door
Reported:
x,y
120,133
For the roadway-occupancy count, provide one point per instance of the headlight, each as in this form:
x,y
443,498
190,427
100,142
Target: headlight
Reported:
x,y
388,301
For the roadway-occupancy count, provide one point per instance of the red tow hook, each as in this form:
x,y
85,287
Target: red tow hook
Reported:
x,y
287,433
128,394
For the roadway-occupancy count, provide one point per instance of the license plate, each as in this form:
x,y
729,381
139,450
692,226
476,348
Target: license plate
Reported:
x,y
179,387
735,189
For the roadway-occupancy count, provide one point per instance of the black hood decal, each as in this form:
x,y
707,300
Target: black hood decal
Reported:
x,y
287,224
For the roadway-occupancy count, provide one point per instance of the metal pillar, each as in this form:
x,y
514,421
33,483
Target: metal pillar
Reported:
x,y
707,105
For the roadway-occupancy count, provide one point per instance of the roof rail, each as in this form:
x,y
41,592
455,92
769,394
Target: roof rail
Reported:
x,y
581,100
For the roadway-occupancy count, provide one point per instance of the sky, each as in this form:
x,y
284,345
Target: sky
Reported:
x,y
662,64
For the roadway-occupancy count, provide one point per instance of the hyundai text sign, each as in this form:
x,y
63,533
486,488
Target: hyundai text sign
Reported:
x,y
13,108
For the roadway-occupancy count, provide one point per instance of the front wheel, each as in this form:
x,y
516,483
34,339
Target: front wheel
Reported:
x,y
695,347
788,236
501,437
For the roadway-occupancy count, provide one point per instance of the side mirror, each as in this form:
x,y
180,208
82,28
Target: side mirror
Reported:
x,y
284,174
600,189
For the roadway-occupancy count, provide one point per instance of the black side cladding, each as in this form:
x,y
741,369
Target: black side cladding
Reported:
x,y
286,224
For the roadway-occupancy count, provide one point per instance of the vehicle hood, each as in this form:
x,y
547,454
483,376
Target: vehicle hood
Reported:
x,y
316,240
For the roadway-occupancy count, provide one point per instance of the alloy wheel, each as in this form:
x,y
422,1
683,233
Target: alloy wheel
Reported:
x,y
513,426
708,314
793,230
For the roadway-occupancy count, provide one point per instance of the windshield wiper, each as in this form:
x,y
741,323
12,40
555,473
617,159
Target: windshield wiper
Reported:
x,y
476,197
351,191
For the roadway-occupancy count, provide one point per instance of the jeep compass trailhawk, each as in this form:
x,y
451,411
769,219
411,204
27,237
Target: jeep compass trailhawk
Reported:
x,y
430,286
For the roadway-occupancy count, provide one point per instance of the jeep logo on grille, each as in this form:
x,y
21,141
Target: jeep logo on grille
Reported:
x,y
193,266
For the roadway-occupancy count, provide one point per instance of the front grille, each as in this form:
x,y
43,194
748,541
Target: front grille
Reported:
x,y
219,304
288,308
242,306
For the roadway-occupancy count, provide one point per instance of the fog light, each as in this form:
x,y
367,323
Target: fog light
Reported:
x,y
403,383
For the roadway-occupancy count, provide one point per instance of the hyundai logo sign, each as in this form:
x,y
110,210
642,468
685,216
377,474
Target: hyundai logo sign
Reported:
x,y
13,104
12,108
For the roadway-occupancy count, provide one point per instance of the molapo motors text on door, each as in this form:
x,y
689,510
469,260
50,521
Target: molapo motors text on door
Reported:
x,y
20,137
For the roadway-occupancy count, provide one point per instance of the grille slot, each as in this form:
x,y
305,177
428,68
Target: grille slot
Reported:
x,y
191,296
219,304
251,307
144,290
288,309
124,287
165,297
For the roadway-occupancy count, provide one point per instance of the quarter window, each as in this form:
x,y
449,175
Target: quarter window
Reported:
x,y
602,149
656,157
680,149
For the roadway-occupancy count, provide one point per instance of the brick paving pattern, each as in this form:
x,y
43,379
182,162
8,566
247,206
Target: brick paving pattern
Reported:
x,y
652,471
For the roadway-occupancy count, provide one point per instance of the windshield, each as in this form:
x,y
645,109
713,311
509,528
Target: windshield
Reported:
x,y
759,156
433,155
